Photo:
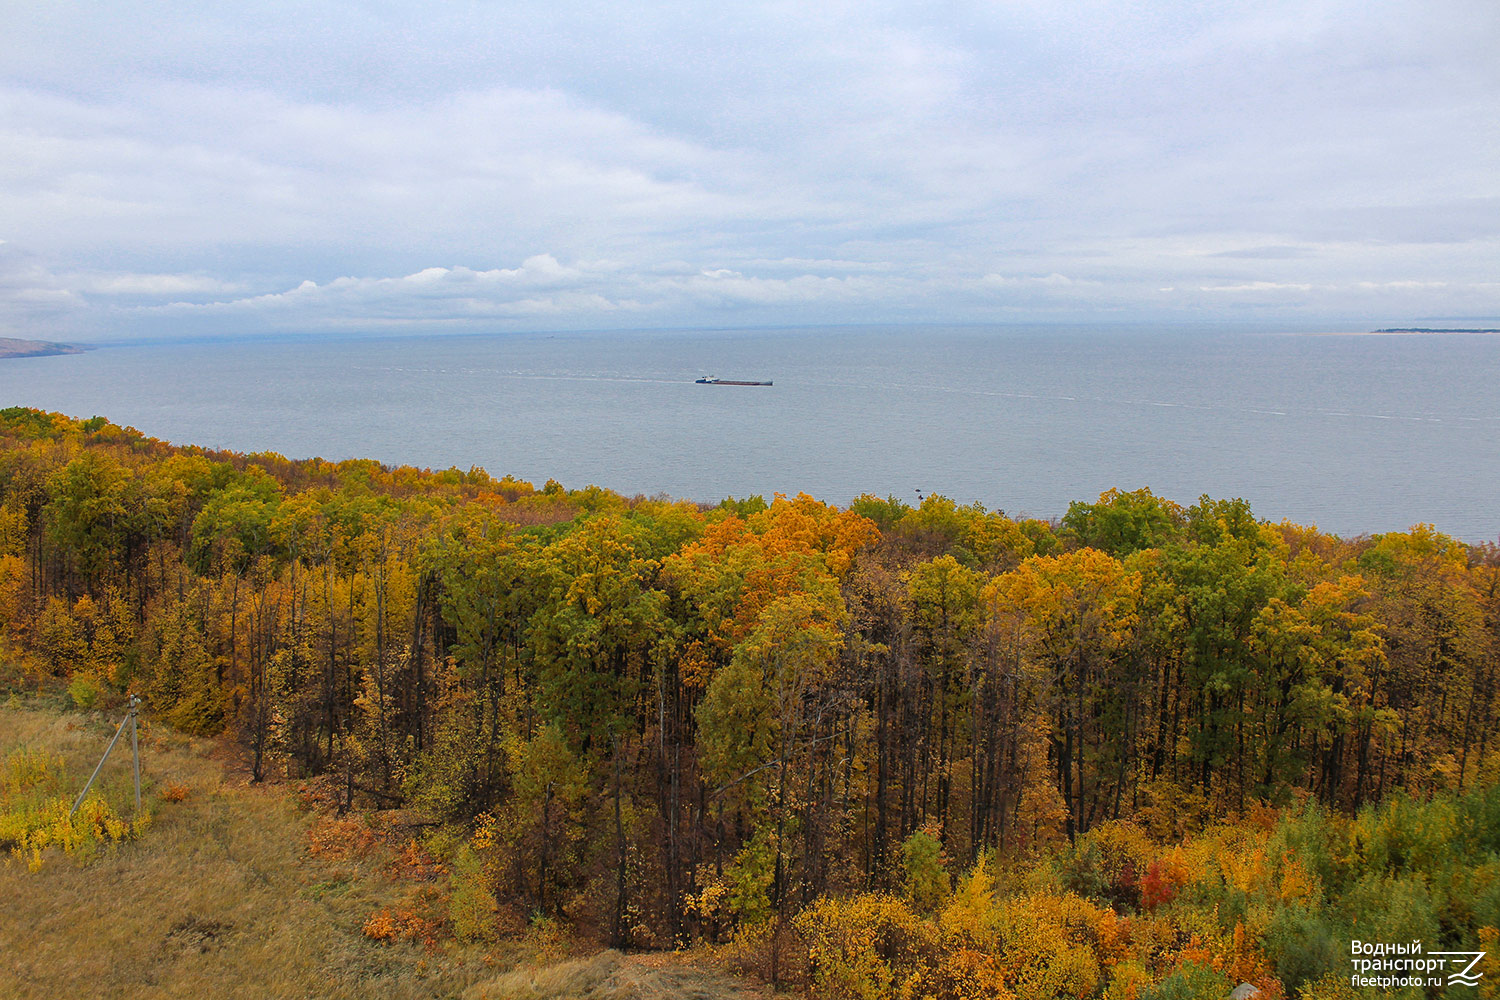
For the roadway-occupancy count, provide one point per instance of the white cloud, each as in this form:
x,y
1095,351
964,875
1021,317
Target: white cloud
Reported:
x,y
674,164
1053,280
540,287
1259,286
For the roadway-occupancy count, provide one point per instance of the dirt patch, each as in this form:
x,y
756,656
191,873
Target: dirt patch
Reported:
x,y
196,936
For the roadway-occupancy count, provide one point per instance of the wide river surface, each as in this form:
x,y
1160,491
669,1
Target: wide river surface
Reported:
x,y
1355,434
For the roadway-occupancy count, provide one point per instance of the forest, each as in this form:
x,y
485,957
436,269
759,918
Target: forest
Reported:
x,y
1148,750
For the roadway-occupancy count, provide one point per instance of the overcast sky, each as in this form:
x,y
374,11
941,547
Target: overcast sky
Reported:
x,y
316,166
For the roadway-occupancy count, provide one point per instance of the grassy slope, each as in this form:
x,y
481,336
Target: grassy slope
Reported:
x,y
222,898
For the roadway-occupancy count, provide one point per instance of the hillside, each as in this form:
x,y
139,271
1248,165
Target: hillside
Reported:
x,y
1151,750
256,891
10,347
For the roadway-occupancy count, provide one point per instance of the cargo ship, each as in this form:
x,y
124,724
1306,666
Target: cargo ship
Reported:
x,y
715,380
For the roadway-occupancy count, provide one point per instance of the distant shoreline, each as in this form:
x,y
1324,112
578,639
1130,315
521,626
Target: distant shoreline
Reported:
x,y
1425,329
10,347
1406,331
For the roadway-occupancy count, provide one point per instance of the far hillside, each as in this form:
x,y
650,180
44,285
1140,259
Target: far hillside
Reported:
x,y
13,348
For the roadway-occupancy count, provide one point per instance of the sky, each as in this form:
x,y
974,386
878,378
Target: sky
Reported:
x,y
319,167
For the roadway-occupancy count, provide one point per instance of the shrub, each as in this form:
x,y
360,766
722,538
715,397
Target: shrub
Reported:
x,y
1305,948
926,875
472,907
748,879
82,833
336,839
1190,982
84,690
1162,883
35,816
866,947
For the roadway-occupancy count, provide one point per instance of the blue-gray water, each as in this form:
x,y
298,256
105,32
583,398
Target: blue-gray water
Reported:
x,y
1352,433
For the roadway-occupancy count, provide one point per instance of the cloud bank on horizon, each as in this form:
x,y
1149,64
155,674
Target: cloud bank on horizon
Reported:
x,y
341,167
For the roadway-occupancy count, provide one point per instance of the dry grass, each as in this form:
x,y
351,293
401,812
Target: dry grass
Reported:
x,y
610,975
576,978
244,891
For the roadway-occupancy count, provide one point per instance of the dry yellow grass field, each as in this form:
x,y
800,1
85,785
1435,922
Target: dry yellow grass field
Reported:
x,y
610,975
222,898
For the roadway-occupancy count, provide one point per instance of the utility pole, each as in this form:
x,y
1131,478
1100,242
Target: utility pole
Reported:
x,y
134,750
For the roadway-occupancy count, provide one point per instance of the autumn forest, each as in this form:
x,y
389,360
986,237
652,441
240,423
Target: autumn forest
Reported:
x,y
888,750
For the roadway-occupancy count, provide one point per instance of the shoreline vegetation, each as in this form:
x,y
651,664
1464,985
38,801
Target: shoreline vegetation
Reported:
x,y
11,347
1148,751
